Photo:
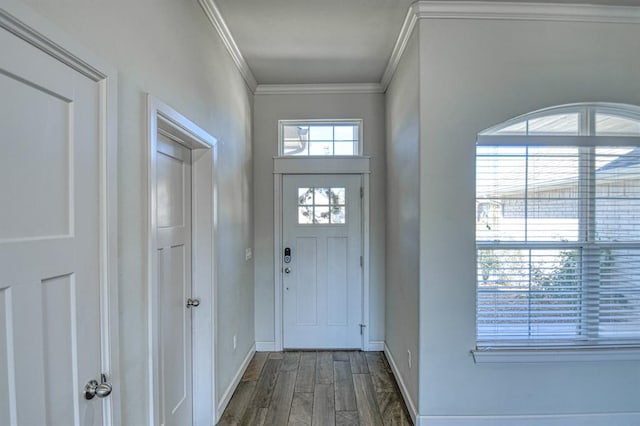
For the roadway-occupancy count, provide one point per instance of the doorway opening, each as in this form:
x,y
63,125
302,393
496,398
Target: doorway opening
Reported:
x,y
180,268
321,222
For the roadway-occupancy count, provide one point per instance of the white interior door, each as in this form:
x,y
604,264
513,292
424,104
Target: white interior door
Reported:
x,y
321,261
50,334
173,245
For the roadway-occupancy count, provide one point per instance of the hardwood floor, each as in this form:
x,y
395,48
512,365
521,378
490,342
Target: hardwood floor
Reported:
x,y
323,388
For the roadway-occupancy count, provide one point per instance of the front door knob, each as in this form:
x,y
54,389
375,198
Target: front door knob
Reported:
x,y
193,303
287,270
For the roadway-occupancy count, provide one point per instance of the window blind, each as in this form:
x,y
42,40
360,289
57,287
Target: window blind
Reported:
x,y
558,241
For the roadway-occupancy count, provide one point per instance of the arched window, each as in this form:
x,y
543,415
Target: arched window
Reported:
x,y
558,228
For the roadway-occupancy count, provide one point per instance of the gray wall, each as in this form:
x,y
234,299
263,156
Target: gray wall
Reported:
x,y
403,220
268,109
169,49
475,74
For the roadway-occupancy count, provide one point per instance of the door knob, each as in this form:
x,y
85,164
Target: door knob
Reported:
x,y
101,390
287,270
193,303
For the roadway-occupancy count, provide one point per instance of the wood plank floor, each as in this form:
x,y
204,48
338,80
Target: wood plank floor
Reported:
x,y
323,388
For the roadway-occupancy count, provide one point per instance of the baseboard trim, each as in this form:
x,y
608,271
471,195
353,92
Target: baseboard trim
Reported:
x,y
228,393
403,388
265,346
376,346
595,419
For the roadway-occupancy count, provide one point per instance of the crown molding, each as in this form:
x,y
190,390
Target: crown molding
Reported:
x,y
527,11
215,17
311,89
503,11
401,44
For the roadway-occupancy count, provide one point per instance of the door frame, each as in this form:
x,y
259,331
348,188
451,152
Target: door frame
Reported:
x,y
24,23
317,166
204,152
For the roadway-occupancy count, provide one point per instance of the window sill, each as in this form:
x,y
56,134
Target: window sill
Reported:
x,y
545,355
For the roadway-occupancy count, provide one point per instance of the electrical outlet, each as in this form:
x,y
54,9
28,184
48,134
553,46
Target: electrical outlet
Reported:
x,y
235,341
248,254
409,358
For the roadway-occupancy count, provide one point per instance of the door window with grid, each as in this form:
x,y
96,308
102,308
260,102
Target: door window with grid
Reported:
x,y
558,229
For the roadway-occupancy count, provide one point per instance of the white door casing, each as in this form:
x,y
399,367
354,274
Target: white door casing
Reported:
x,y
173,245
57,228
322,282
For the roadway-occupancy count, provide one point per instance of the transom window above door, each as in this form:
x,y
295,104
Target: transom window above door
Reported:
x,y
319,138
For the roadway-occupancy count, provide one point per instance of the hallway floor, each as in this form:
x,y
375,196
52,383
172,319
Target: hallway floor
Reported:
x,y
321,388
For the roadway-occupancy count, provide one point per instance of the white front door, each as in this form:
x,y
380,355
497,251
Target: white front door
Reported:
x,y
173,245
321,261
50,331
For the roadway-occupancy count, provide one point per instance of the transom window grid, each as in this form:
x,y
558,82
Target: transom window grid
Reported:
x,y
322,206
558,232
320,138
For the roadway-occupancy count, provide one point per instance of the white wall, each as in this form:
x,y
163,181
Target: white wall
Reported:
x,y
169,49
475,74
268,109
403,224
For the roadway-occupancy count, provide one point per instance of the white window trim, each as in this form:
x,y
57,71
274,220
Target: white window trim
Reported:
x,y
584,109
555,354
560,353
282,123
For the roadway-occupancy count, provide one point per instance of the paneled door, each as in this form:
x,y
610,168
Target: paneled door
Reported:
x,y
321,261
50,268
174,269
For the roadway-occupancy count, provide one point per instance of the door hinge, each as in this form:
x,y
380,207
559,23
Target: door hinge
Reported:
x,y
361,192
362,326
361,261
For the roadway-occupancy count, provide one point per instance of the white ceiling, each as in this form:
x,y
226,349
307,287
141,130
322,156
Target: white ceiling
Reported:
x,y
315,41
324,41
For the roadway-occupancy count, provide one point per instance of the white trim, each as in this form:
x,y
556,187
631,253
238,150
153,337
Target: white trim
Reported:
x,y
110,312
165,120
23,22
582,419
404,35
502,11
277,250
266,347
312,89
555,355
569,140
215,17
375,346
411,406
321,165
366,229
527,12
228,393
